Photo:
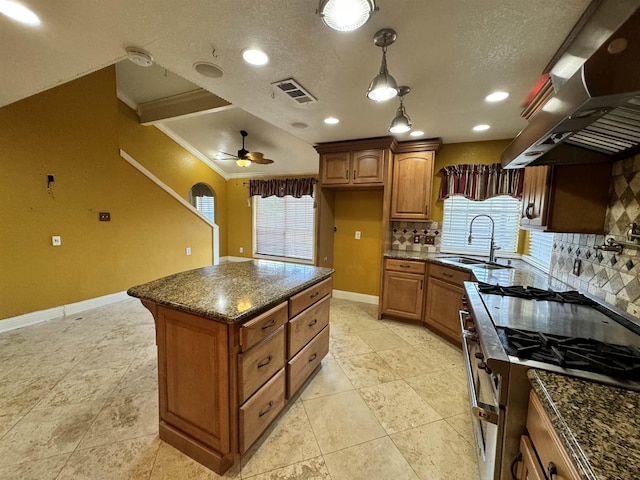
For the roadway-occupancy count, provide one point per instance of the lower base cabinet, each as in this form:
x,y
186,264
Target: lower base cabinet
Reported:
x,y
444,291
403,289
221,385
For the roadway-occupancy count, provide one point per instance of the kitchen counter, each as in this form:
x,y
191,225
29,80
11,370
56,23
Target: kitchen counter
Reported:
x,y
522,273
599,425
231,292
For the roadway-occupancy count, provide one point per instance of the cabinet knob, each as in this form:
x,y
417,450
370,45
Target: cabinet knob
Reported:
x,y
346,174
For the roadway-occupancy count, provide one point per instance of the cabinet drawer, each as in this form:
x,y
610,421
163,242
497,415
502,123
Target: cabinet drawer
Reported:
x,y
262,326
260,410
306,325
258,364
300,367
407,266
546,442
450,275
530,468
308,297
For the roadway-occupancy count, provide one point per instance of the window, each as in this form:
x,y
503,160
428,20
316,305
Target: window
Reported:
x,y
202,197
458,213
284,227
540,247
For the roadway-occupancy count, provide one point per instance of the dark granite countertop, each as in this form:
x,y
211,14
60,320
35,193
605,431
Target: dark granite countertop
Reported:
x,y
231,292
599,425
522,273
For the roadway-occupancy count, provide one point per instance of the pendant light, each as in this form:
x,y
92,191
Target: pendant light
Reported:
x,y
402,122
383,87
346,15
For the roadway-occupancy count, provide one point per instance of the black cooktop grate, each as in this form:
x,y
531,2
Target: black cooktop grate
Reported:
x,y
532,293
572,352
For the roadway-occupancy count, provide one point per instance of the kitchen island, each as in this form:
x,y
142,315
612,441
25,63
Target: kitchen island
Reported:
x,y
235,341
597,424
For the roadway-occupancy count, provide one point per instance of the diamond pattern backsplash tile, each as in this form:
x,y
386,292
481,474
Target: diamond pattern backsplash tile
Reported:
x,y
402,234
613,277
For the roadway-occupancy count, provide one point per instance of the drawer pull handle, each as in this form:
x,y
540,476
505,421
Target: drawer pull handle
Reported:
x,y
448,275
315,295
528,212
405,266
315,320
313,357
265,362
269,325
266,410
552,471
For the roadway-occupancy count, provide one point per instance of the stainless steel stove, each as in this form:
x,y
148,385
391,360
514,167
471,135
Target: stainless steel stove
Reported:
x,y
507,330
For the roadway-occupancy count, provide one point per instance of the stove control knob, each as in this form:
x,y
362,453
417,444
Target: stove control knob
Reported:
x,y
479,356
484,366
471,329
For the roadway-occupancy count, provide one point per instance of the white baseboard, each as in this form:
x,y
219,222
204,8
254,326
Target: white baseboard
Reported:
x,y
61,311
230,258
356,297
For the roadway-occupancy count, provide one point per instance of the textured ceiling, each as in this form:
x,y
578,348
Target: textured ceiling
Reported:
x,y
452,53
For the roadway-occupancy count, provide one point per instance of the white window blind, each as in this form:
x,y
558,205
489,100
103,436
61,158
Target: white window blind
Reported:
x,y
458,213
540,248
205,205
284,227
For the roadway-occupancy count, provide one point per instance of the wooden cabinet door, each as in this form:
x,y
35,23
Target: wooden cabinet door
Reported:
x,y
443,303
403,295
535,195
529,468
412,179
334,168
367,167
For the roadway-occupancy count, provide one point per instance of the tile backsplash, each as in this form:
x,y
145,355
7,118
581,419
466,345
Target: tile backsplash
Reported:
x,y
607,275
403,234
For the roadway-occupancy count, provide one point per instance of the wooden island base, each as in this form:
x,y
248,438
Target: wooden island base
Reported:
x,y
222,384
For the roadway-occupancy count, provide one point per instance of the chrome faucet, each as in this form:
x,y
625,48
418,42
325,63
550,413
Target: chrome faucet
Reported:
x,y
492,245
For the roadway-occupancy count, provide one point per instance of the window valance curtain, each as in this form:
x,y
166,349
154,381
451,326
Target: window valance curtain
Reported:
x,y
479,182
281,187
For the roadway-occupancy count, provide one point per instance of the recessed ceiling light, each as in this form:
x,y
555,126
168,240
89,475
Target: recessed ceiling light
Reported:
x,y
208,69
417,133
18,12
299,125
255,57
496,96
331,121
481,128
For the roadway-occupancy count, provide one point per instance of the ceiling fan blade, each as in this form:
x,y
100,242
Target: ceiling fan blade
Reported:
x,y
230,155
258,157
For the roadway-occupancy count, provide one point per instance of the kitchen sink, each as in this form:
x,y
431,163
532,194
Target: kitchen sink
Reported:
x,y
473,263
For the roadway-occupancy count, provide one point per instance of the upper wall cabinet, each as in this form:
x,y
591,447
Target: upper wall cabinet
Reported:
x,y
365,167
566,198
411,190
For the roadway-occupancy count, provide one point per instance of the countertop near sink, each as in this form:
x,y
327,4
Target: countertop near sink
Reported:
x,y
521,274
599,425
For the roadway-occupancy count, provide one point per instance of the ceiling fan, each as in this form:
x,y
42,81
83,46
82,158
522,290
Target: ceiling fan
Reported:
x,y
244,158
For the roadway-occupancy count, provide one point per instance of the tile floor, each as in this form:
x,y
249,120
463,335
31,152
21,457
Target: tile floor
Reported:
x,y
78,400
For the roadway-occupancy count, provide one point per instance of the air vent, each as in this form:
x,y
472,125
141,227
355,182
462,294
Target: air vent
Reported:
x,y
295,91
613,133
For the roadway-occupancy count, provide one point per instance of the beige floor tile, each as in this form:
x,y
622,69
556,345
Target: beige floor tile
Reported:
x,y
409,362
357,322
377,459
81,386
382,339
367,369
108,356
397,406
47,432
342,420
20,396
172,464
288,440
413,334
444,392
448,355
437,452
130,459
346,344
127,417
312,469
142,376
327,380
463,425
45,469
7,421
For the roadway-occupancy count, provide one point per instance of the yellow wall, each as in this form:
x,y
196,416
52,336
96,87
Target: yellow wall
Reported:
x,y
240,217
457,153
357,262
72,131
172,164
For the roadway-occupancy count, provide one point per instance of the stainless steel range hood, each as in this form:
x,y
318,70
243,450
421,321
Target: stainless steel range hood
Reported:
x,y
594,114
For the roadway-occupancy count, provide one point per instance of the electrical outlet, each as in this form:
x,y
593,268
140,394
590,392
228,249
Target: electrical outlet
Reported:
x,y
577,263
188,250
56,241
416,239
104,216
429,240
241,250
357,234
